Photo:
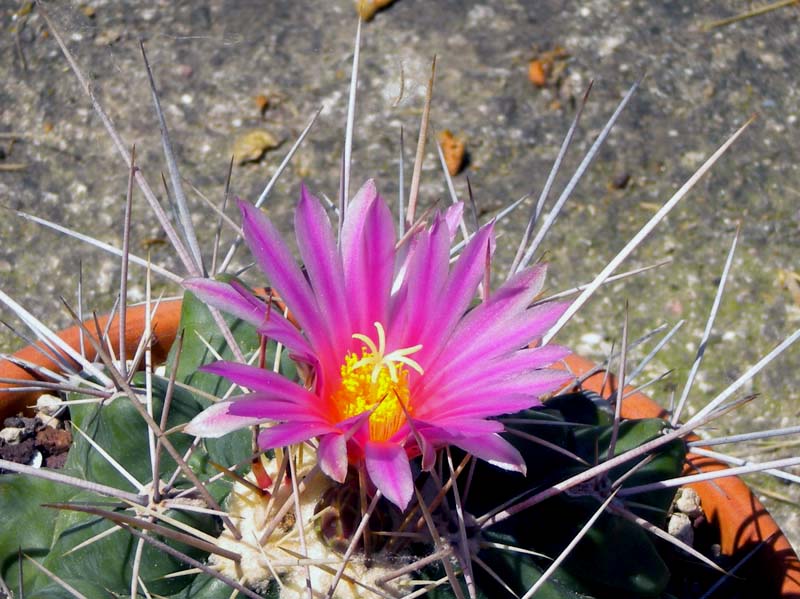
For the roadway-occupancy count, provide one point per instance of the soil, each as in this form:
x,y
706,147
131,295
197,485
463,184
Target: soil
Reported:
x,y
36,438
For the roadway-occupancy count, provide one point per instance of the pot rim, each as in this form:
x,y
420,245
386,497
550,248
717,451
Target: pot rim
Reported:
x,y
742,520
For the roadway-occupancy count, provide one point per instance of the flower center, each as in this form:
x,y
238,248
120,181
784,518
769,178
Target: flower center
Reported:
x,y
376,381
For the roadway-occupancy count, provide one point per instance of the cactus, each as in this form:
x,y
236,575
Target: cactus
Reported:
x,y
143,508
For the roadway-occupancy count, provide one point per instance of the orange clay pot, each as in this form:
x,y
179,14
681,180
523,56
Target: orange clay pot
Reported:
x,y
727,502
164,325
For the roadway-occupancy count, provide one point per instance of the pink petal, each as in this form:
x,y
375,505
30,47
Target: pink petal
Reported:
x,y
498,339
279,265
464,427
216,421
332,453
390,471
323,264
495,450
508,396
481,325
353,226
264,407
259,379
485,372
242,304
453,216
427,273
275,326
456,295
368,273
290,433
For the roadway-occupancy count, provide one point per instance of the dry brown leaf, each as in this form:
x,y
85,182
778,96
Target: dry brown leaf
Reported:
x,y
367,8
547,66
453,149
262,102
252,145
537,73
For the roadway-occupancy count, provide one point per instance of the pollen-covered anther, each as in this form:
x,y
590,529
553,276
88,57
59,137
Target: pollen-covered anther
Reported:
x,y
376,381
379,359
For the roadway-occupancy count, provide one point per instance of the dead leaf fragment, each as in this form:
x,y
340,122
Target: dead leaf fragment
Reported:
x,y
108,36
547,66
367,8
252,145
262,103
453,149
537,73
790,280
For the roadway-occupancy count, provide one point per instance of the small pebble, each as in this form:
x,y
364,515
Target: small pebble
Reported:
x,y
37,459
48,420
48,404
11,435
620,180
107,37
681,528
688,502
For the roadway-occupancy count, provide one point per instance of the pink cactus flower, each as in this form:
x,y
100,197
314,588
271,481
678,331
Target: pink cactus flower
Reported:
x,y
398,361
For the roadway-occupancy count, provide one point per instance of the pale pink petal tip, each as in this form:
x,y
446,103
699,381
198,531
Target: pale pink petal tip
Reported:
x,y
215,421
332,454
390,472
495,450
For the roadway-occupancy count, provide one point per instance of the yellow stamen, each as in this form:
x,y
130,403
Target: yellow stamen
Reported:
x,y
376,381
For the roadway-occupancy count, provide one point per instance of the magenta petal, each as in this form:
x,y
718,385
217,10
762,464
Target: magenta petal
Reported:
x,y
508,397
453,216
216,421
479,372
529,382
290,433
240,303
259,379
456,294
264,407
353,226
279,265
390,471
427,273
463,427
332,455
495,450
226,298
369,273
497,339
320,255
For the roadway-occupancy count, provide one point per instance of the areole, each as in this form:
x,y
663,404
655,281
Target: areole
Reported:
x,y
742,520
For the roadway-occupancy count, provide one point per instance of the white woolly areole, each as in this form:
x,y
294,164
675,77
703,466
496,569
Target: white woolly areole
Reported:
x,y
279,554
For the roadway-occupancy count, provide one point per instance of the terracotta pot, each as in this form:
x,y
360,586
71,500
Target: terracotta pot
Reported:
x,y
727,502
164,325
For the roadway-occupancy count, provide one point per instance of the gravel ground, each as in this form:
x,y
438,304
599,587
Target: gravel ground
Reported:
x,y
213,59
